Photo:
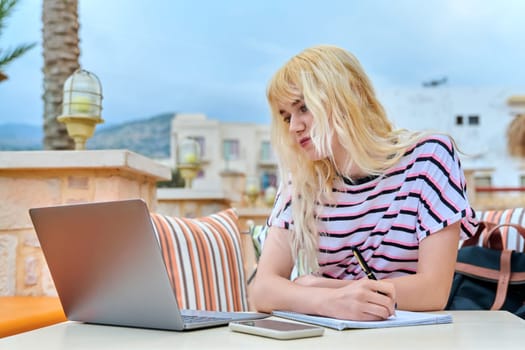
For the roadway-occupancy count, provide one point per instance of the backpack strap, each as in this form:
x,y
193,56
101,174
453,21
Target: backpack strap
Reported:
x,y
490,242
503,280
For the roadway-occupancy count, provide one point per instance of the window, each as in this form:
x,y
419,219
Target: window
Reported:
x,y
473,119
483,181
269,178
230,149
459,120
266,151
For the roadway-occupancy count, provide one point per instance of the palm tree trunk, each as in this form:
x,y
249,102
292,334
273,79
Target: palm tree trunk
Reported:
x,y
61,58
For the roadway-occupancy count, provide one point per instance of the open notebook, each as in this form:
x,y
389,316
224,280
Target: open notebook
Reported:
x,y
402,318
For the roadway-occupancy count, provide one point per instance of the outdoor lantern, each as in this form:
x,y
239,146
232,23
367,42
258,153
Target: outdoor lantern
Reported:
x,y
189,160
252,189
81,106
269,195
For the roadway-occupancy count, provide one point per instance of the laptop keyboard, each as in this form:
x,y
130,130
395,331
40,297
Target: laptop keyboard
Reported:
x,y
199,319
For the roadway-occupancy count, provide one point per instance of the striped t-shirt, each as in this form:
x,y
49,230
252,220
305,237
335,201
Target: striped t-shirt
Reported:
x,y
387,217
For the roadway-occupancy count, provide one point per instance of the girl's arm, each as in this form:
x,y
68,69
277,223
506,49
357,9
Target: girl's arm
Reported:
x,y
429,288
272,289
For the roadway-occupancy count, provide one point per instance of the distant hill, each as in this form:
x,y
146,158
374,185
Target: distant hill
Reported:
x,y
149,137
19,137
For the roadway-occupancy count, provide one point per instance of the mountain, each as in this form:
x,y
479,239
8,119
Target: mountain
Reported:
x,y
149,137
18,137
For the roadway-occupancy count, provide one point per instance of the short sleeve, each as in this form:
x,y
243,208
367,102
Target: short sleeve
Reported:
x,y
281,215
443,191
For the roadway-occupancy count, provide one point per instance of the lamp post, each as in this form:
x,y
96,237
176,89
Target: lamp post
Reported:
x,y
81,106
189,159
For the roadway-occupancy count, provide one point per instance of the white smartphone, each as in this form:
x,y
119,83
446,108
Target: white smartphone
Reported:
x,y
276,329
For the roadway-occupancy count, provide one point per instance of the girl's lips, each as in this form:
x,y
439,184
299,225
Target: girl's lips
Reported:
x,y
304,142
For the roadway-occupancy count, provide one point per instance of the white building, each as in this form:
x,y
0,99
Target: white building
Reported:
x,y
477,118
226,149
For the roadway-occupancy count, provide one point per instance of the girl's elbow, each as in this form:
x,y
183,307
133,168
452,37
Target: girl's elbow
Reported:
x,y
259,298
439,301
435,299
442,302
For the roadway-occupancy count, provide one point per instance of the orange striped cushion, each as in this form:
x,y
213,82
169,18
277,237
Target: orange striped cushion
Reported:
x,y
204,260
512,215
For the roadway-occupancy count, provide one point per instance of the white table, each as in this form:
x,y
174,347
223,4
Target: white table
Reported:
x,y
470,330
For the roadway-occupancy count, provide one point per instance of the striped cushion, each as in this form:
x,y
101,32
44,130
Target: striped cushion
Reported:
x,y
512,215
204,260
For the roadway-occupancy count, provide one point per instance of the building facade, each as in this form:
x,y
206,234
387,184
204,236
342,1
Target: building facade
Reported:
x,y
477,119
239,150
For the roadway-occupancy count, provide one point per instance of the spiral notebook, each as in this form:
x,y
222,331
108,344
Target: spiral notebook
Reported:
x,y
401,319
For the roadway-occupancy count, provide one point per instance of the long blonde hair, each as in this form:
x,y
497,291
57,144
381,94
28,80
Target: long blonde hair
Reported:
x,y
342,101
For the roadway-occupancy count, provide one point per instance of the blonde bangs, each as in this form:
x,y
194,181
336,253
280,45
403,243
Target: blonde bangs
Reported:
x,y
284,87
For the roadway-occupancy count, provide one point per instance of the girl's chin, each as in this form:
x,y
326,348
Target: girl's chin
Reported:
x,y
313,156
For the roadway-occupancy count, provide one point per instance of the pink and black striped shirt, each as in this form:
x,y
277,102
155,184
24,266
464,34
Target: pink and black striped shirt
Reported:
x,y
387,217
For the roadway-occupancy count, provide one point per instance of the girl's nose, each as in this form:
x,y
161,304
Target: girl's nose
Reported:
x,y
296,124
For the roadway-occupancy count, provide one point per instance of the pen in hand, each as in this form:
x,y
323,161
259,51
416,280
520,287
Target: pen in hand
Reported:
x,y
363,264
365,267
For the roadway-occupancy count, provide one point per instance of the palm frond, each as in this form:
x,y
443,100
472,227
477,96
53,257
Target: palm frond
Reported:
x,y
10,55
6,8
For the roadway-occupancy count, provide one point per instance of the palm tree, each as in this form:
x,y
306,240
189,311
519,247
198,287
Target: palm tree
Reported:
x,y
61,59
7,56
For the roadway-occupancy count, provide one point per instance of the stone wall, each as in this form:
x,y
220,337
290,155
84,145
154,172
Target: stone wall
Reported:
x,y
44,178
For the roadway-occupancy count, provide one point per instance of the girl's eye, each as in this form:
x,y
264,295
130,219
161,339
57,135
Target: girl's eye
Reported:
x,y
303,109
287,119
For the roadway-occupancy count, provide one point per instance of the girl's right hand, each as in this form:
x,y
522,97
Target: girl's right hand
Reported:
x,y
361,300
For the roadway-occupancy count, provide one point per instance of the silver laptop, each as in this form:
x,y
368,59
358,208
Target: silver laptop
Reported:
x,y
107,266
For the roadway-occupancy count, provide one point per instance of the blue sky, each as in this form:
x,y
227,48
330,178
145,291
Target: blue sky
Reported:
x,y
216,57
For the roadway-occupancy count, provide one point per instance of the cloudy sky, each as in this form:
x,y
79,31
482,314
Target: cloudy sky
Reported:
x,y
215,57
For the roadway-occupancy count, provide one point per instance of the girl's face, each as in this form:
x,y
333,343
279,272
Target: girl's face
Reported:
x,y
300,120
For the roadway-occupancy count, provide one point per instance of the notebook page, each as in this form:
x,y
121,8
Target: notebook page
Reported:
x,y
402,318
